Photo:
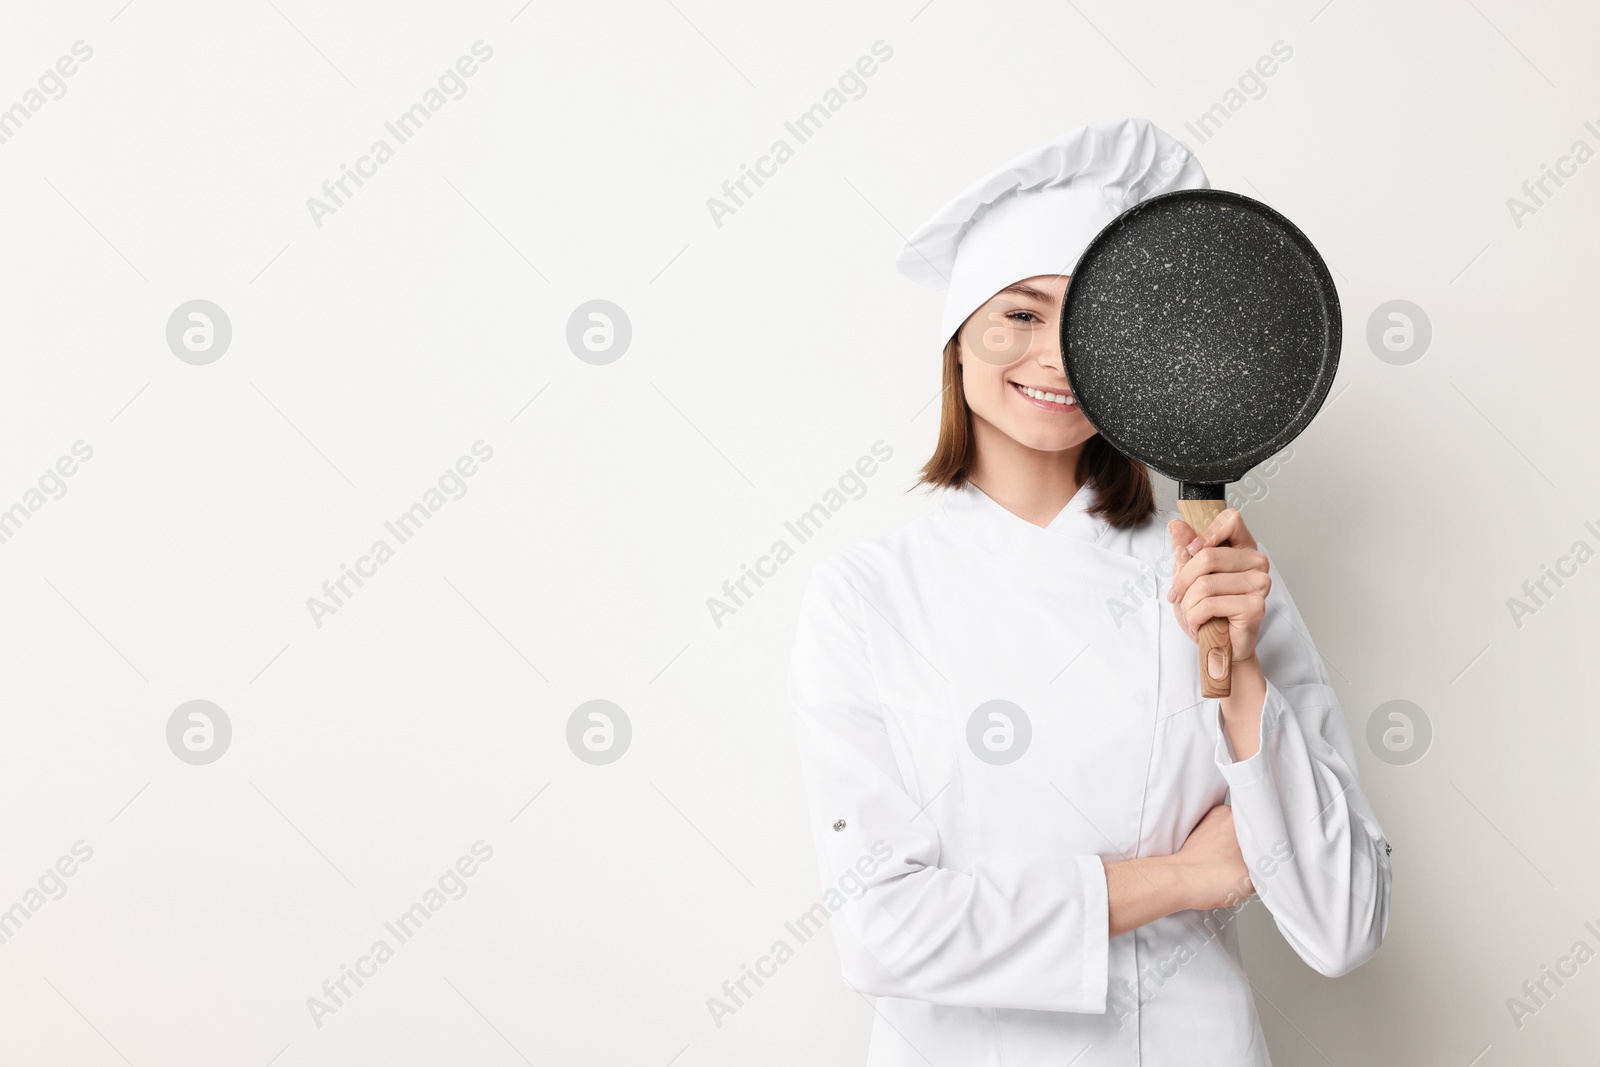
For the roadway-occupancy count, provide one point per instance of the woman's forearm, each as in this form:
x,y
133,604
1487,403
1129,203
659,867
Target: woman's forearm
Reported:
x,y
1207,872
1143,890
1241,709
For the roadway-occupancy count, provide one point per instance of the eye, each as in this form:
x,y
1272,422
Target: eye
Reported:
x,y
1022,315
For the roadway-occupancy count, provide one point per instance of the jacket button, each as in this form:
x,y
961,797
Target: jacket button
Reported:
x,y
839,825
1386,848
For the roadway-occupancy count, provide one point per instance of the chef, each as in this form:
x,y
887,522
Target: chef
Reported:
x,y
1048,831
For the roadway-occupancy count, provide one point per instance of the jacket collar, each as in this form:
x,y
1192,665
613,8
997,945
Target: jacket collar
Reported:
x,y
980,518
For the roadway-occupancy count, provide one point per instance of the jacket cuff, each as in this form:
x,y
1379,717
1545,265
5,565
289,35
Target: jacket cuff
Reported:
x,y
1246,771
1095,978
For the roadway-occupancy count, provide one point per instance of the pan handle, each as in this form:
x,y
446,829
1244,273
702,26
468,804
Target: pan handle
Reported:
x,y
1214,632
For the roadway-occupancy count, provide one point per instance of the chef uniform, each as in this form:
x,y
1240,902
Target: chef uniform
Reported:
x,y
989,711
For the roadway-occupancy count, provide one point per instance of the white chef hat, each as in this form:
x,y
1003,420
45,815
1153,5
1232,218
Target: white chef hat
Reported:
x,y
1037,214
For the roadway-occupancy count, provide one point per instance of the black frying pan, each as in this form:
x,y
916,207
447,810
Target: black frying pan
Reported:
x,y
1200,333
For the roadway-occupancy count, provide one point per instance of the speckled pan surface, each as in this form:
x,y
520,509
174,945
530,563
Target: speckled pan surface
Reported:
x,y
1201,333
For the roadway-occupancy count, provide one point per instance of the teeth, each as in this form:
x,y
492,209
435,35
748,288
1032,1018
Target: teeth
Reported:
x,y
1055,398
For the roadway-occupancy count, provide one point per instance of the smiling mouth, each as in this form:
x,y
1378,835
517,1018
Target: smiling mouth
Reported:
x,y
1048,399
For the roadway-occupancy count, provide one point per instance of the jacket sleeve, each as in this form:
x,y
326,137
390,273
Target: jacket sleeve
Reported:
x,y
1027,932
1317,856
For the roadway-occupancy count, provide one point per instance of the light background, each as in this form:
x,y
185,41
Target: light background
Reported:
x,y
768,353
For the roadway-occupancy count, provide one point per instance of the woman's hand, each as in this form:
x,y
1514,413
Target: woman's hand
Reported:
x,y
1207,872
1220,574
1210,864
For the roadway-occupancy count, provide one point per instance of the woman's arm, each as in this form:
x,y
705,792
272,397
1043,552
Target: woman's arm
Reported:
x,y
1303,819
1208,872
1241,708
1314,847
1026,932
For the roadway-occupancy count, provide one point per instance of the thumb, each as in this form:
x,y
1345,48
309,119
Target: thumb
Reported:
x,y
1182,535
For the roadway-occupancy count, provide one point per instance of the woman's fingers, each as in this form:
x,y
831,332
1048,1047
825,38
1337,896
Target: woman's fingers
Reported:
x,y
1227,528
1226,583
1220,574
1244,612
1239,597
1243,607
1182,534
1214,560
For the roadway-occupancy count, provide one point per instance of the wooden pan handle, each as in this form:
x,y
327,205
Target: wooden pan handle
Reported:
x,y
1214,632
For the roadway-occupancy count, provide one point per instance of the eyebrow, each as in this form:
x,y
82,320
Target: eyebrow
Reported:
x,y
1023,289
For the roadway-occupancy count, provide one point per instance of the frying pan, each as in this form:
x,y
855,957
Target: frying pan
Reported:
x,y
1200,333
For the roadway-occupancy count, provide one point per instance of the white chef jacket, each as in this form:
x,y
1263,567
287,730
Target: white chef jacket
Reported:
x,y
973,893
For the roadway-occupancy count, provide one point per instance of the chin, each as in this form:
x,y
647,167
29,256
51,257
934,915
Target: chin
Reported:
x,y
1054,439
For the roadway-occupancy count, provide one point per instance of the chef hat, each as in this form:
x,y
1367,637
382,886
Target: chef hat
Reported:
x,y
1037,214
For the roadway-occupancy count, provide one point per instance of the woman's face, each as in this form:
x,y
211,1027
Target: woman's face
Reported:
x,y
1011,366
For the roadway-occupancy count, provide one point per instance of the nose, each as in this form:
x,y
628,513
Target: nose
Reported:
x,y
1049,356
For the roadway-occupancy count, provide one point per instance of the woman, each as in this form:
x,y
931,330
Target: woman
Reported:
x,y
1016,789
